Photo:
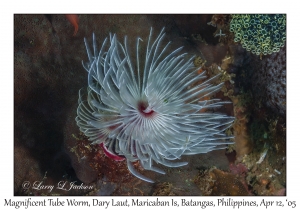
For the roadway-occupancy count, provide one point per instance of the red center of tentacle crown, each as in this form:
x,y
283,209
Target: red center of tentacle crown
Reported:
x,y
145,110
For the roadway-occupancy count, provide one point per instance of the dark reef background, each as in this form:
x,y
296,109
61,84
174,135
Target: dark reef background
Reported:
x,y
48,74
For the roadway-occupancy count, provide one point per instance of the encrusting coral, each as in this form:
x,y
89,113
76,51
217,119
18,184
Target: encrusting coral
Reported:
x,y
259,33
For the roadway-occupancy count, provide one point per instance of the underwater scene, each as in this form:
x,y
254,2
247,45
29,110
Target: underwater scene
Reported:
x,y
153,105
